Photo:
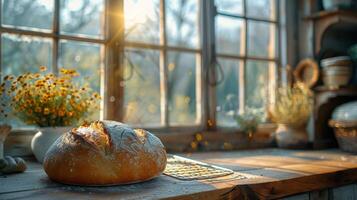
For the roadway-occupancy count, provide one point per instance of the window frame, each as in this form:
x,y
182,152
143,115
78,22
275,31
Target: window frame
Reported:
x,y
54,34
163,47
114,45
244,58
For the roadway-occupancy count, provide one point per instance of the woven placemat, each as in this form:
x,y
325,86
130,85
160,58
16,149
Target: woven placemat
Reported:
x,y
188,169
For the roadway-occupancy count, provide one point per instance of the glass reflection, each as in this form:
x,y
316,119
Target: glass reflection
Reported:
x,y
82,17
28,14
182,19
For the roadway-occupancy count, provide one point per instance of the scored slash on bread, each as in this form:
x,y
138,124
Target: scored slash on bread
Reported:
x,y
95,135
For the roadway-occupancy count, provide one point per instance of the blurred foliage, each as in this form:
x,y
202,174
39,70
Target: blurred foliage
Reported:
x,y
248,121
142,87
142,99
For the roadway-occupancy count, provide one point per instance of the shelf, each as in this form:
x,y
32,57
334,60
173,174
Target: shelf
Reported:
x,y
325,14
345,21
323,88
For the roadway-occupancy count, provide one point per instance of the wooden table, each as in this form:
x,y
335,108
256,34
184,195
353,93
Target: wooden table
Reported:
x,y
271,173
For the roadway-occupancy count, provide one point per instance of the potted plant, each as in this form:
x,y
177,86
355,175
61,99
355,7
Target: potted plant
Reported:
x,y
248,122
4,131
52,102
5,128
291,111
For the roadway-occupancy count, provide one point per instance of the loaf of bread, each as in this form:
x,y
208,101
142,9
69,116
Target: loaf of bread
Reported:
x,y
105,153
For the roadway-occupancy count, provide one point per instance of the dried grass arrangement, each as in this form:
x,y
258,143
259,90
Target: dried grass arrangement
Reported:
x,y
293,105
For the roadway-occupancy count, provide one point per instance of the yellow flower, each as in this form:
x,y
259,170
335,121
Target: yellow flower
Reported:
x,y
61,113
69,72
194,145
46,111
198,137
43,68
63,88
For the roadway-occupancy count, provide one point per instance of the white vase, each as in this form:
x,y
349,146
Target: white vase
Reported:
x,y
4,131
44,138
291,137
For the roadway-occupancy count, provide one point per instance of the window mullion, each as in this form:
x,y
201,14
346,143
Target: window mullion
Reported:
x,y
55,29
275,33
202,88
246,18
0,42
279,42
210,70
113,91
274,77
163,68
242,76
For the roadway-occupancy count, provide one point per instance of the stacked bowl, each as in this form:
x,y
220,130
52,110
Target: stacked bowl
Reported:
x,y
336,71
344,122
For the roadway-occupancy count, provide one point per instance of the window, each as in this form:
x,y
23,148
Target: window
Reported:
x,y
246,40
152,59
53,33
162,66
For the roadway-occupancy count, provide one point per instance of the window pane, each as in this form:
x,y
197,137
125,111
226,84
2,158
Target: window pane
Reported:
x,y
82,17
182,23
261,9
182,88
28,14
20,54
261,39
229,35
228,92
85,58
257,84
142,20
142,87
230,6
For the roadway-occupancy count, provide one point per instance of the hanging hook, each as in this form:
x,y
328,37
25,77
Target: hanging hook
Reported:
x,y
214,81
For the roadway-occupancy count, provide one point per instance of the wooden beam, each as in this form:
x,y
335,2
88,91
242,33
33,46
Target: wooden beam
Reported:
x,y
113,91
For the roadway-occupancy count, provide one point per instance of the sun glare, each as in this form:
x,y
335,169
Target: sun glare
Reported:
x,y
75,5
46,3
138,11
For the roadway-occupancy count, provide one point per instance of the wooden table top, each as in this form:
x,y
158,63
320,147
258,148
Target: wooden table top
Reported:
x,y
271,173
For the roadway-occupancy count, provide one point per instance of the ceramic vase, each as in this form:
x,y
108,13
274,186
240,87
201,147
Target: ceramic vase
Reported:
x,y
291,137
338,4
4,131
44,138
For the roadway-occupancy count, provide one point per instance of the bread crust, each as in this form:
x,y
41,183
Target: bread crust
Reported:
x,y
105,153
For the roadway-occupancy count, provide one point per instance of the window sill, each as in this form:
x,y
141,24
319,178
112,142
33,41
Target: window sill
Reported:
x,y
221,139
18,143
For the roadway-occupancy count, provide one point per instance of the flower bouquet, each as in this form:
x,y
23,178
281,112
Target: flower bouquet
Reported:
x,y
48,101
